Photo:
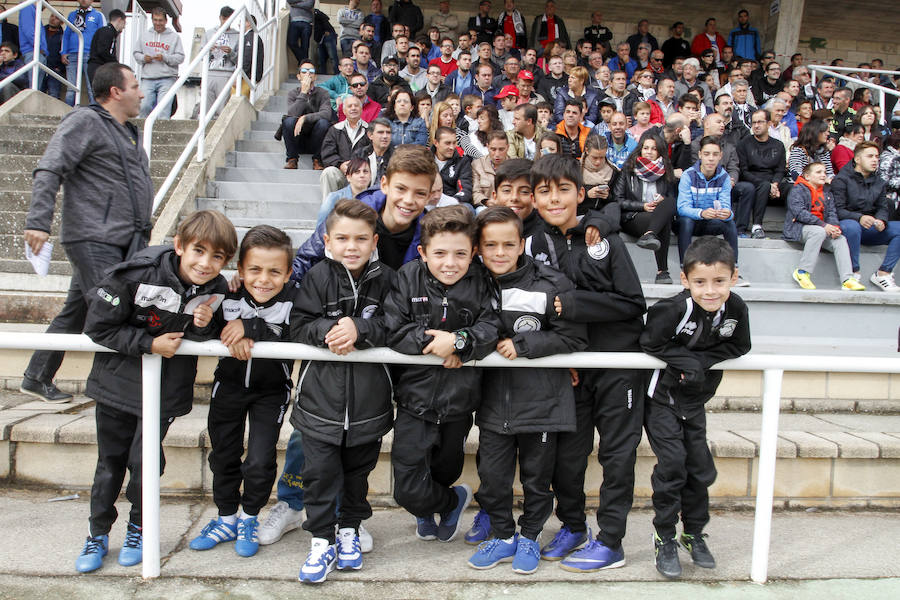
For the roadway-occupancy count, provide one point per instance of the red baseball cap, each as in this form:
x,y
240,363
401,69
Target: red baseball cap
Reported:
x,y
526,75
508,90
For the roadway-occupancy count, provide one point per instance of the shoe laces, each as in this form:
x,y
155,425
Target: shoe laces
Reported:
x,y
560,535
482,520
277,511
92,545
348,543
488,546
317,552
246,529
132,537
529,547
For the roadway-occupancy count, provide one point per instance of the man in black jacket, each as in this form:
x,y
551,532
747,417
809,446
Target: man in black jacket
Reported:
x,y
407,13
483,24
455,170
381,87
763,164
104,45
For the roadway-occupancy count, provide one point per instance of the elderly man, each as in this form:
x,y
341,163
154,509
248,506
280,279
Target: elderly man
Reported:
x,y
622,61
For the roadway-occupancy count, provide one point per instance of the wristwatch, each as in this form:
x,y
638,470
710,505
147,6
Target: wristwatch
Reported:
x,y
461,340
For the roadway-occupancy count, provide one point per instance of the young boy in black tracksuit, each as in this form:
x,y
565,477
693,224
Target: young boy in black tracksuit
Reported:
x,y
608,297
441,305
703,325
343,408
521,409
147,305
246,387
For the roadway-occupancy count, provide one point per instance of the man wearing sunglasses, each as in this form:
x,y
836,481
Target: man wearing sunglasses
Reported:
x,y
359,87
308,118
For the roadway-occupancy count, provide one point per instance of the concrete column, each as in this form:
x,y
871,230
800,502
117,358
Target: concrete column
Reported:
x,y
787,28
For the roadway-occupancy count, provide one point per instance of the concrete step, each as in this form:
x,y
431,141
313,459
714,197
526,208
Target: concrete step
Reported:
x,y
275,175
269,145
14,220
14,132
266,116
294,208
277,103
179,125
22,266
37,147
265,160
24,164
264,134
298,231
309,192
23,181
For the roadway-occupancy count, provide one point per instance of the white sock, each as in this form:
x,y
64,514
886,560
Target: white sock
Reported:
x,y
510,539
755,227
230,519
245,515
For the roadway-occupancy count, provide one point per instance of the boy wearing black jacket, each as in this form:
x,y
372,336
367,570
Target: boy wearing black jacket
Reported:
x,y
441,305
608,297
245,387
703,325
147,305
522,409
343,409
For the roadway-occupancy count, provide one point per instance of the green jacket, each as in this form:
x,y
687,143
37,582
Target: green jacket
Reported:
x,y
517,142
337,87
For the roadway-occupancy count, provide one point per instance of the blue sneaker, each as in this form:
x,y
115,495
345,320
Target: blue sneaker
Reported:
x,y
426,528
563,544
595,556
215,532
247,542
452,521
349,551
91,557
528,556
481,529
319,562
132,549
493,552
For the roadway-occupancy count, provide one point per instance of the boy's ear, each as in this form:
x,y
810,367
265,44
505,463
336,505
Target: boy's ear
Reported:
x,y
734,277
521,246
684,280
580,194
421,252
384,184
179,249
493,197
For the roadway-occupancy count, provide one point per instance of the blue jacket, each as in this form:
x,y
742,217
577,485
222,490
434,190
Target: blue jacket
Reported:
x,y
414,131
456,83
93,21
630,67
697,193
591,97
745,42
617,156
7,69
487,97
26,33
312,250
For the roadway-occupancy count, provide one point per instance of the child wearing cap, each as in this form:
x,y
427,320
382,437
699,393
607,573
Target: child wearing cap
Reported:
x,y
507,100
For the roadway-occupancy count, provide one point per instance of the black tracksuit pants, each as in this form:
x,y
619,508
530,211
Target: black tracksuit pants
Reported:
x,y
332,472
612,400
427,458
684,469
229,409
119,439
497,468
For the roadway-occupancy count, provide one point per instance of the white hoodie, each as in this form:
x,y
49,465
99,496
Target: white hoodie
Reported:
x,y
167,44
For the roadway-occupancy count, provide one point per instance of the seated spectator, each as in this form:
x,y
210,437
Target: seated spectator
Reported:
x,y
621,143
762,164
441,116
508,99
433,87
646,192
889,171
445,62
363,62
509,75
545,113
643,85
663,104
460,78
577,88
358,178
768,86
742,192
308,118
484,58
843,150
483,88
455,170
474,144
338,85
689,78
525,137
843,113
359,87
551,144
555,79
600,75
571,130
467,120
389,45
872,131
811,219
406,126
525,85
641,120
380,89
413,72
704,201
804,113
812,145
598,176
346,138
689,106
484,168
367,37
776,109
678,139
618,93
10,62
724,107
622,61
554,48
860,198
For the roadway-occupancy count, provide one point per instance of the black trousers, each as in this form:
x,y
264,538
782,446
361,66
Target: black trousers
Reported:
x,y
229,410
119,439
684,469
497,468
310,139
89,262
333,472
750,201
427,458
612,400
659,222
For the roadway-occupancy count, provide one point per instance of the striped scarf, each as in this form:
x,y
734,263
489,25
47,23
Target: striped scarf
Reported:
x,y
649,170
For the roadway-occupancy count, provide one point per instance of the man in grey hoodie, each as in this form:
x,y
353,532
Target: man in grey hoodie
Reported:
x,y
160,53
222,59
99,158
300,28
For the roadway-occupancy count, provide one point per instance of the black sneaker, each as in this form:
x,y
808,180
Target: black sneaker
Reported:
x,y
700,554
663,278
45,391
667,561
648,241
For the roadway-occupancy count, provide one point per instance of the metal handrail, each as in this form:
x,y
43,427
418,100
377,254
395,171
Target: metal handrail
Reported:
x,y
204,117
831,72
35,64
772,365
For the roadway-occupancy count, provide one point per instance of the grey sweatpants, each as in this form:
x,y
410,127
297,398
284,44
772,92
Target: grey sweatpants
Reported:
x,y
814,239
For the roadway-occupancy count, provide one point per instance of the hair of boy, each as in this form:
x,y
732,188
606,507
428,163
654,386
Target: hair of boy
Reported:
x,y
497,136
107,77
640,106
208,226
512,169
11,46
268,237
555,168
442,131
708,250
595,142
412,159
688,99
469,100
350,208
448,219
860,147
809,167
543,105
226,12
497,215
709,139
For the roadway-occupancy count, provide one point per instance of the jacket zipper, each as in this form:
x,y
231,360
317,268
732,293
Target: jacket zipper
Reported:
x,y
250,360
348,365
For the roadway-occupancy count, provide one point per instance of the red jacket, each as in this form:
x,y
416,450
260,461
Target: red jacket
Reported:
x,y
701,43
370,111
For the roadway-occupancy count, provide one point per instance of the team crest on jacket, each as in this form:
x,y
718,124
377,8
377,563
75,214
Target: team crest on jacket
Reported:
x,y
368,311
451,171
599,251
526,323
727,328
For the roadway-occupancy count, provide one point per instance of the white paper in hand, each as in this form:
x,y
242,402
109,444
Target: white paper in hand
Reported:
x,y
41,260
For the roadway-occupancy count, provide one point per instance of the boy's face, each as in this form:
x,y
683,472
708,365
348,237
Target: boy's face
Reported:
x,y
516,195
543,115
557,202
351,243
406,197
606,113
199,262
509,103
265,271
448,256
500,247
710,285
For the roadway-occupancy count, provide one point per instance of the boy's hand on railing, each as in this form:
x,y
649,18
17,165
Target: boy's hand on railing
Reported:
x,y
342,336
452,362
507,349
203,314
442,343
241,348
232,332
166,344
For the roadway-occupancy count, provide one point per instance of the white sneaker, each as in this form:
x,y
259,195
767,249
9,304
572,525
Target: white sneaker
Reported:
x,y
365,539
885,282
281,519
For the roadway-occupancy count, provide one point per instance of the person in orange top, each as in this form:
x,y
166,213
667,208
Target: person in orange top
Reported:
x,y
571,129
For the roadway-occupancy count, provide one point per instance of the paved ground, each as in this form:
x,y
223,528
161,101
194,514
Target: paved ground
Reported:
x,y
815,555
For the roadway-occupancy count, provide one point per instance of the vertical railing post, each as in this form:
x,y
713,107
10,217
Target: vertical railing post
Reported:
x,y
201,117
36,55
151,375
765,484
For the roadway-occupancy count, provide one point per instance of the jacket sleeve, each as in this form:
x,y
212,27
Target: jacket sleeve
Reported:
x,y
606,219
464,176
656,339
107,318
830,211
175,56
685,204
330,155
484,332
308,254
138,53
623,196
321,105
737,345
372,332
882,208
839,189
405,335
421,139
798,207
561,337
101,45
308,323
725,197
781,164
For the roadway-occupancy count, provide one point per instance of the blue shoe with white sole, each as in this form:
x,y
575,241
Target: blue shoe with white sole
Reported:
x,y
493,552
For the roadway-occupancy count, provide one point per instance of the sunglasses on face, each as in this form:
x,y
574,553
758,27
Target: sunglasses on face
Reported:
x,y
313,71
357,85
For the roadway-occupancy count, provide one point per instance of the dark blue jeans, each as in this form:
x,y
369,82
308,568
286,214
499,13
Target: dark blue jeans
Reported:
x,y
688,228
298,36
290,484
856,235
328,51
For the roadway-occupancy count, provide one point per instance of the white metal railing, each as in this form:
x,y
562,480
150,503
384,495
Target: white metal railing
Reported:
x,y
35,65
198,140
831,71
136,22
773,367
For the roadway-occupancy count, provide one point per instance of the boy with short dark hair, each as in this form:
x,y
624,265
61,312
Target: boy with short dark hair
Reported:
x,y
512,188
522,410
343,409
440,305
244,387
147,305
703,325
609,299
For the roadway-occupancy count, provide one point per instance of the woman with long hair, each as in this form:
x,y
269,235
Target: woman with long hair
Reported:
x,y
552,49
406,125
441,116
866,117
812,145
646,191
861,97
358,179
598,174
475,144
